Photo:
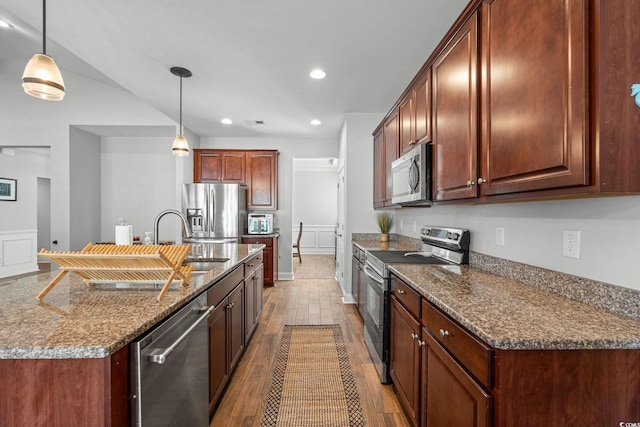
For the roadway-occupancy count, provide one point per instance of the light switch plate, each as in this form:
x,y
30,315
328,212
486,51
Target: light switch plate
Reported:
x,y
500,236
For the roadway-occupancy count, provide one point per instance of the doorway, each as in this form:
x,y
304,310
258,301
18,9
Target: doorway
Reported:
x,y
44,216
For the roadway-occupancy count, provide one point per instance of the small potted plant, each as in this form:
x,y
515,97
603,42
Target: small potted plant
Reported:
x,y
385,222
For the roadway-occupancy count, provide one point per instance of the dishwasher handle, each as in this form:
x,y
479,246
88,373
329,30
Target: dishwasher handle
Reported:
x,y
160,355
371,273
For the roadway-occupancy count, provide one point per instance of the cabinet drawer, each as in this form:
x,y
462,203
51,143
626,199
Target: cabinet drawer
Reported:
x,y
408,297
252,265
472,353
268,241
217,292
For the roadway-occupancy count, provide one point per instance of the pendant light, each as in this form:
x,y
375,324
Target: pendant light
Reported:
x,y
180,144
41,77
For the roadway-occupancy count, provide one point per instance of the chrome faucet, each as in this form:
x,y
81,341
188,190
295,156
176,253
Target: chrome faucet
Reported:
x,y
186,230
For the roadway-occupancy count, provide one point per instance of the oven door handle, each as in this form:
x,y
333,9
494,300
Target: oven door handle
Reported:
x,y
373,276
160,355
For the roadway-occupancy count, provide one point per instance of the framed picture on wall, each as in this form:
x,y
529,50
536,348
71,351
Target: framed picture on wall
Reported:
x,y
8,191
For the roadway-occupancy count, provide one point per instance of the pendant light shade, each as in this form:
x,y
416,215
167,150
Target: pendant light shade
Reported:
x,y
41,77
180,144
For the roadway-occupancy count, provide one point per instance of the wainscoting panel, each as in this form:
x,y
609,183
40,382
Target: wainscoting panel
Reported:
x,y
18,252
316,239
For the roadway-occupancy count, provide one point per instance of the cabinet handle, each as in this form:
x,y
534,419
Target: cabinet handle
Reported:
x,y
230,306
414,336
400,292
421,343
481,181
470,183
444,333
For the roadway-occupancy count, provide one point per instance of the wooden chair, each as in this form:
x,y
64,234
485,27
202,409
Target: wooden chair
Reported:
x,y
297,245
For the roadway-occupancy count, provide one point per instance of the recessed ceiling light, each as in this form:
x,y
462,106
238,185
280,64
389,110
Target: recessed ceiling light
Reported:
x,y
5,24
226,121
315,122
317,74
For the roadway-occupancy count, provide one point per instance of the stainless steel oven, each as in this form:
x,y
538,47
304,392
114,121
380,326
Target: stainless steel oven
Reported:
x,y
441,246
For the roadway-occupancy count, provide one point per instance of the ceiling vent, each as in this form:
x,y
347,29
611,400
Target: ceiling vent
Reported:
x,y
254,122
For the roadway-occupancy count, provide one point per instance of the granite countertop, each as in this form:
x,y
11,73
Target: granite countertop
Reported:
x,y
79,321
510,315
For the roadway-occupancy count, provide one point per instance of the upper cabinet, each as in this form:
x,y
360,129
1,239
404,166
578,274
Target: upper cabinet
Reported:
x,y
529,103
258,169
219,165
415,114
534,96
455,110
262,180
385,151
379,178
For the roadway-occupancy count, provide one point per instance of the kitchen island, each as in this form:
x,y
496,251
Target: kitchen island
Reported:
x,y
65,361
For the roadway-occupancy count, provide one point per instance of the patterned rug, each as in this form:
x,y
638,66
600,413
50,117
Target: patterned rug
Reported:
x,y
312,382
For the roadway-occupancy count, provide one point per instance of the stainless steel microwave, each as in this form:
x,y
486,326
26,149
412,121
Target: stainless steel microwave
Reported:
x,y
412,177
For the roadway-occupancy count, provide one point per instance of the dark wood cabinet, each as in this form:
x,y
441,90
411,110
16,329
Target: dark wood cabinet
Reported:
x,y
415,115
404,365
450,396
379,177
219,166
270,254
262,180
258,169
455,115
534,110
253,293
226,332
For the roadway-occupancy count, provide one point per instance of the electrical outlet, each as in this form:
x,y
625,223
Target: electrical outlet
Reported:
x,y
401,224
571,243
500,236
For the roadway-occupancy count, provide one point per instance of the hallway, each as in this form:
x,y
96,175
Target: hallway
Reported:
x,y
314,297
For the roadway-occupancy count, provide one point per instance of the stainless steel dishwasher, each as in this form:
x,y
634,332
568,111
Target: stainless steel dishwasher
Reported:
x,y
170,371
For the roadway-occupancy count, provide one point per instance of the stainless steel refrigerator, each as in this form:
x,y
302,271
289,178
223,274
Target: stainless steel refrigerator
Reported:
x,y
216,212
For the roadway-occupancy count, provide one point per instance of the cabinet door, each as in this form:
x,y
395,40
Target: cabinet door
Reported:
x,y
407,122
207,165
422,110
355,280
235,326
404,365
451,396
390,154
379,178
249,306
534,95
262,180
233,167
455,112
218,373
259,280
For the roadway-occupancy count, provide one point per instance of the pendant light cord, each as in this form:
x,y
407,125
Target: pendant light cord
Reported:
x,y
181,105
44,27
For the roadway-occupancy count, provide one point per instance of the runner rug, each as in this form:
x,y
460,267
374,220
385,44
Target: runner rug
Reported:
x,y
312,382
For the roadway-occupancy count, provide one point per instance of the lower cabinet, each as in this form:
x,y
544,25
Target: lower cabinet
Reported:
x,y
404,365
450,396
238,300
464,382
270,253
253,287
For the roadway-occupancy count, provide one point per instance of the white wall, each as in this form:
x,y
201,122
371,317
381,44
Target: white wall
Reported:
x,y
609,226
25,166
84,188
288,149
356,151
315,204
27,121
138,182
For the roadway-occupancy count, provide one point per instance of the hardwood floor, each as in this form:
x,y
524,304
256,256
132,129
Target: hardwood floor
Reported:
x,y
314,297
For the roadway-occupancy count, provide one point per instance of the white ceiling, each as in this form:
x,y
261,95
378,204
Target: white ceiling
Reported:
x,y
250,58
